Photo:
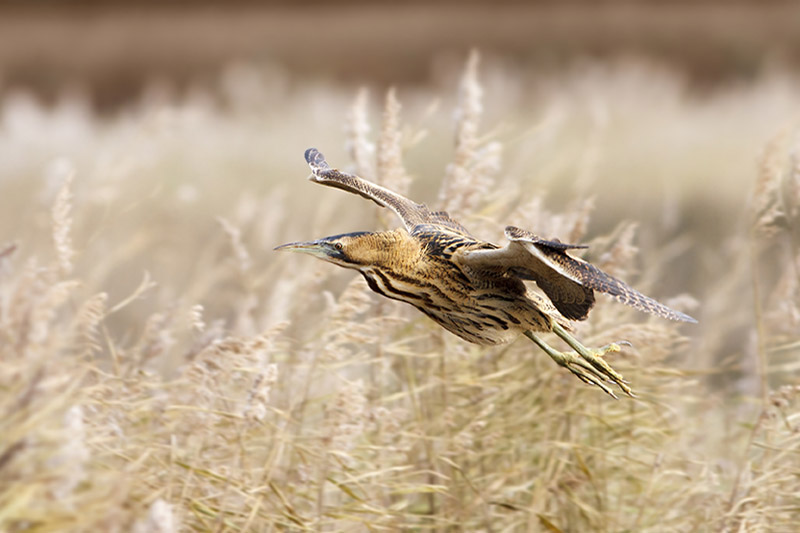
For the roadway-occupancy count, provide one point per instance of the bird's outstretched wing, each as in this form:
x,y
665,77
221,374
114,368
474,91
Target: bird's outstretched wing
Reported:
x,y
416,217
567,281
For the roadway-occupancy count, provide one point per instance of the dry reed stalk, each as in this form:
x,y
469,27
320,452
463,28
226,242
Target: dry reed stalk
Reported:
x,y
793,190
768,207
469,177
70,460
390,171
196,318
769,218
157,338
234,234
43,314
345,331
62,222
87,322
357,134
579,224
618,259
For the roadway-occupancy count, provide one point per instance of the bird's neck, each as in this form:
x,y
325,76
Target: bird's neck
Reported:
x,y
390,250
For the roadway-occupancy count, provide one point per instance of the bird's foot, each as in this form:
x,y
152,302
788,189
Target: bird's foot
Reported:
x,y
587,364
595,358
591,368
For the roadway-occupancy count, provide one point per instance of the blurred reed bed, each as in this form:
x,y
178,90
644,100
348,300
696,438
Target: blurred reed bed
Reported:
x,y
162,370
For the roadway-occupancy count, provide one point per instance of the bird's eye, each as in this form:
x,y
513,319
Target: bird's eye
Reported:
x,y
338,246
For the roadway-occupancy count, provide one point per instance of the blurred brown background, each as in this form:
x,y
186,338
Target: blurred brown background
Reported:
x,y
112,47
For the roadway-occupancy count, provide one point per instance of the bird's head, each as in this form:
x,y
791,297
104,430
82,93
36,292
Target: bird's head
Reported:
x,y
349,250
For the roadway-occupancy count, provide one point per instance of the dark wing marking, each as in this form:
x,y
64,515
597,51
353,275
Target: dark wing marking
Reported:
x,y
567,281
514,233
416,217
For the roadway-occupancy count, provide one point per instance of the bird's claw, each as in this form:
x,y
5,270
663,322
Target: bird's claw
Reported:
x,y
587,364
591,368
589,375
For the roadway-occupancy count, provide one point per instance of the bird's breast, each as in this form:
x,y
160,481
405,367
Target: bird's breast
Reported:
x,y
483,310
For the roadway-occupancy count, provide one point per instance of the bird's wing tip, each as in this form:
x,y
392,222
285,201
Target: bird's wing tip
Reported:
x,y
682,317
316,160
311,154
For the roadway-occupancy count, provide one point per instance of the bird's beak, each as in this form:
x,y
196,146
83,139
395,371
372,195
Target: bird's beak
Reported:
x,y
314,248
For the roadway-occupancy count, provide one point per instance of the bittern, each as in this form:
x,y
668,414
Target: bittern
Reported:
x,y
473,288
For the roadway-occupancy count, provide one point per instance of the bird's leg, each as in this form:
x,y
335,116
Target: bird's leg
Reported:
x,y
595,357
587,364
573,362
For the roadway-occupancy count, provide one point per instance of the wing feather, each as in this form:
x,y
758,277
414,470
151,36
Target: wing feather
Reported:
x,y
568,282
416,217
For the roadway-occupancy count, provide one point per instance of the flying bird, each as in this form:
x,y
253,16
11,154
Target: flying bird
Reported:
x,y
473,288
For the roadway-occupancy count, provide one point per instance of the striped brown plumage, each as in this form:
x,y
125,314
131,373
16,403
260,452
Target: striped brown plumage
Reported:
x,y
473,288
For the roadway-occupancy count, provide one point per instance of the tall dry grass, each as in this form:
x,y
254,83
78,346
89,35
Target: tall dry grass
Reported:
x,y
162,370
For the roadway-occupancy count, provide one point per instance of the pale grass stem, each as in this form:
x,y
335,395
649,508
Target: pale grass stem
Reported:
x,y
357,136
62,222
70,460
88,320
243,260
196,318
391,173
458,174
